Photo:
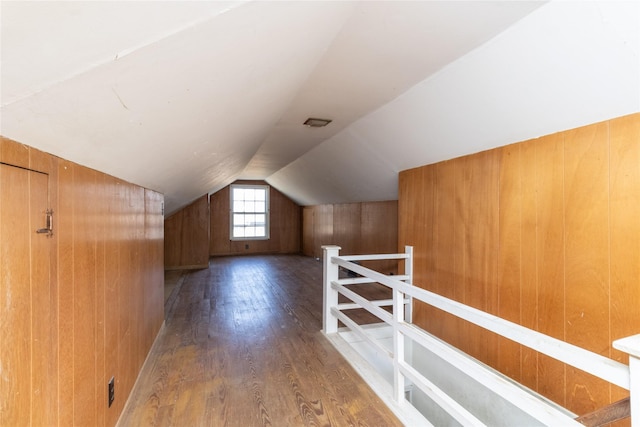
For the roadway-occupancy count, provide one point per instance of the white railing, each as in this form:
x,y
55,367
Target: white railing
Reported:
x,y
627,377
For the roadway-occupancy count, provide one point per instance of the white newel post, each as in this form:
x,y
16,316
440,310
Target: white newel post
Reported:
x,y
330,295
631,346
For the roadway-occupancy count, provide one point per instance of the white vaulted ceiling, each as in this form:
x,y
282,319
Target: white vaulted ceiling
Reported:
x,y
185,97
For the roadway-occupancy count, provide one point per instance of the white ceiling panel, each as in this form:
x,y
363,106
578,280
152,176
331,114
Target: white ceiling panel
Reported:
x,y
185,97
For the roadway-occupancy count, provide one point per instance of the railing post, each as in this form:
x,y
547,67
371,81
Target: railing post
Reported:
x,y
631,346
330,295
398,345
408,271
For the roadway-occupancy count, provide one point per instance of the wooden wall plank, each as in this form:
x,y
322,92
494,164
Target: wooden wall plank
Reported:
x,y
586,232
378,233
187,242
114,280
446,281
308,242
286,223
97,297
347,218
481,206
65,238
154,248
528,260
41,310
323,229
99,212
509,259
412,228
549,186
457,326
15,296
84,297
46,295
426,240
219,211
556,252
625,232
358,228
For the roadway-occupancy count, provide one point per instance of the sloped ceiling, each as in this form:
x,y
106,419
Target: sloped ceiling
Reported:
x,y
186,97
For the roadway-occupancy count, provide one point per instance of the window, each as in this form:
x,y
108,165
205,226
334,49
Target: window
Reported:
x,y
249,212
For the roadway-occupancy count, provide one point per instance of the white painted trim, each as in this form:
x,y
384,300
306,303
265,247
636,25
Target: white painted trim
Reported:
x,y
548,413
592,363
374,257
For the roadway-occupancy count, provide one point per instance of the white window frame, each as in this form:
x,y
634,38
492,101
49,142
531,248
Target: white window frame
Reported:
x,y
232,212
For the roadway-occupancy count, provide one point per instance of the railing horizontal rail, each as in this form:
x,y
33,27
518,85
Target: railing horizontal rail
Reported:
x,y
587,361
359,331
374,257
399,318
497,384
457,411
362,280
377,303
382,314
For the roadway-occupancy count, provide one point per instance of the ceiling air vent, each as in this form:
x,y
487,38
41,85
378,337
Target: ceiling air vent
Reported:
x,y
316,123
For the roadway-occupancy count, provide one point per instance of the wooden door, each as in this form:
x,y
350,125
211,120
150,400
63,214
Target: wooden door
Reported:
x,y
28,379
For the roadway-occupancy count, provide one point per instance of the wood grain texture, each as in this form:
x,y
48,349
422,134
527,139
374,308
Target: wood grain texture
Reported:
x,y
28,391
625,232
219,242
358,228
244,348
16,344
95,293
412,224
308,237
379,233
446,281
186,243
510,231
529,283
323,229
347,233
548,158
285,219
543,232
586,230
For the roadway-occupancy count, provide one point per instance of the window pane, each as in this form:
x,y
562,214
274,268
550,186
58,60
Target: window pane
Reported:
x,y
238,193
249,212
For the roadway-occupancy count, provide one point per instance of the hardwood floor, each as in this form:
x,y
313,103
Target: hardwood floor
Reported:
x,y
242,347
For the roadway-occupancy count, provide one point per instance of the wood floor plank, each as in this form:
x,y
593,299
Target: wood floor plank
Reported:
x,y
242,347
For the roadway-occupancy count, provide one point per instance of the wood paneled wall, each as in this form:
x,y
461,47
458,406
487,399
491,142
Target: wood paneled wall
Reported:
x,y
186,236
545,233
106,292
358,228
285,222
